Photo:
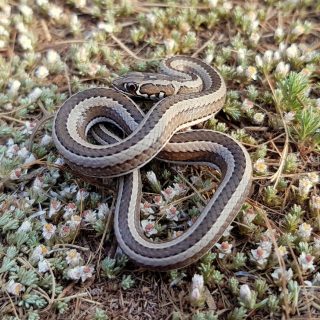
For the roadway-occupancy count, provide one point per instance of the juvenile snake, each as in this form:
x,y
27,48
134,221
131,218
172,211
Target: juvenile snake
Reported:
x,y
189,91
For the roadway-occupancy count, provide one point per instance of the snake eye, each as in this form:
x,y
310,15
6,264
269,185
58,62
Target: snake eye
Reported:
x,y
131,87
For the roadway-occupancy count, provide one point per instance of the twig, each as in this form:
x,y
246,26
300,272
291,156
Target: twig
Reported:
x,y
126,49
276,177
12,304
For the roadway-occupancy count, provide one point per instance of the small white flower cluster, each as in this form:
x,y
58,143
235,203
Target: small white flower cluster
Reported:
x,y
197,290
160,203
92,216
224,248
80,272
306,183
261,254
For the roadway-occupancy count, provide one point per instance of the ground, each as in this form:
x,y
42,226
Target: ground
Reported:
x,y
58,254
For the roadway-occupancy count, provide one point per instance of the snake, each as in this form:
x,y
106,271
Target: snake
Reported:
x,y
102,133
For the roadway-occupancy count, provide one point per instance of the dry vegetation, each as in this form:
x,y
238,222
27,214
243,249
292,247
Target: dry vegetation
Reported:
x,y
58,255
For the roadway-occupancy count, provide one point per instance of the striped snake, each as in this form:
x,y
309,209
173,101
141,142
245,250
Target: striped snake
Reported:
x,y
188,91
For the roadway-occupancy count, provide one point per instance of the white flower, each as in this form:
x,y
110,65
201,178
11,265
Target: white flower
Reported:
x,y
30,159
304,186
69,210
12,151
282,250
39,252
75,273
23,153
20,26
83,272
289,116
25,226
59,162
48,230
240,70
260,256
315,202
266,245
45,140
276,56
258,117
209,58
14,287
304,230
25,10
293,51
306,261
82,194
298,30
146,208
279,274
74,222
195,295
245,294
169,45
90,216
103,210
107,27
53,56
282,69
55,12
82,55
227,6
55,206
282,47
35,94
260,166
224,248
29,126
247,105
73,257
158,200
25,42
14,88
80,3
86,273
226,232
198,282
316,279
41,72
242,53
316,243
68,190
212,3
259,62
148,227
172,213
254,37
313,177
268,57
279,33
64,231
42,3
3,32
43,266
38,183
180,188
169,193
251,73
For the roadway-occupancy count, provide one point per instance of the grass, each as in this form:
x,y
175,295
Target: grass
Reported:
x,y
58,255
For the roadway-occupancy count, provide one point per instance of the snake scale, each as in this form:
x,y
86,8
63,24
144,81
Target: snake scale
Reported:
x,y
188,91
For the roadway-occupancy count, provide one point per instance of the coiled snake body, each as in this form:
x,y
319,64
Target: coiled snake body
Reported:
x,y
189,91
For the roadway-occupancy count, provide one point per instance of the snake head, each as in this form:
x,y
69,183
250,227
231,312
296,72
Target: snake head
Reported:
x,y
154,86
130,83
